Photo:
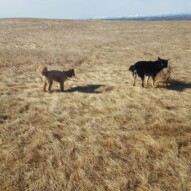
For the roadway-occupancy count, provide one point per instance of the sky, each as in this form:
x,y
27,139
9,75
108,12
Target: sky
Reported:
x,y
85,9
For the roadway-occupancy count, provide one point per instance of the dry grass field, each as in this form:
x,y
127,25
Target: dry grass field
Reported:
x,y
102,133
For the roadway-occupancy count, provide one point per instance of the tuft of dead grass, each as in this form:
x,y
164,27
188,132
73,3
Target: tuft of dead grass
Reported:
x,y
102,133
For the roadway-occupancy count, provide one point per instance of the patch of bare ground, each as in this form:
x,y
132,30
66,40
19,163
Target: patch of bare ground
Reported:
x,y
102,133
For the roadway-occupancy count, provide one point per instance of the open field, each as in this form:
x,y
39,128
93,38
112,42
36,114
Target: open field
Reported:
x,y
102,133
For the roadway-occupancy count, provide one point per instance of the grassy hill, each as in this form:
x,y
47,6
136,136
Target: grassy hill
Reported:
x,y
102,133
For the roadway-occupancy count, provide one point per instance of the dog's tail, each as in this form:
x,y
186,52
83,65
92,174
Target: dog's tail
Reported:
x,y
133,69
42,70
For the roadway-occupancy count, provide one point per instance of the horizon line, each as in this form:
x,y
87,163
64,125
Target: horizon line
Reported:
x,y
104,17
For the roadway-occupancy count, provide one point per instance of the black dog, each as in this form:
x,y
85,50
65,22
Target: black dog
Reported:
x,y
146,69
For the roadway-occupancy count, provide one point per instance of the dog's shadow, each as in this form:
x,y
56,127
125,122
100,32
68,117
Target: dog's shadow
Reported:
x,y
178,85
91,89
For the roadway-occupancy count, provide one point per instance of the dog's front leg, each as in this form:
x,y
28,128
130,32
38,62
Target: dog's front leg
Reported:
x,y
146,78
142,80
49,86
153,82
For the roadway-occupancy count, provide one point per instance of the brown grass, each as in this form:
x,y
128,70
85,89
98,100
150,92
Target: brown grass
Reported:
x,y
103,133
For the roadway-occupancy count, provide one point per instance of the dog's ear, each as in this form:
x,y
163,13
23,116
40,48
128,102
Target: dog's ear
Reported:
x,y
159,58
73,72
167,61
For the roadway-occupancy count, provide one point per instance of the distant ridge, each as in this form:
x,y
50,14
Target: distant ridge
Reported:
x,y
165,17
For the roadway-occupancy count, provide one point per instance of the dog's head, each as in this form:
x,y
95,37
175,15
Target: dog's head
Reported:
x,y
71,73
163,62
42,70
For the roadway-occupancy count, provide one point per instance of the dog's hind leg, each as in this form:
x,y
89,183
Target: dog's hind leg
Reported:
x,y
142,79
135,78
44,86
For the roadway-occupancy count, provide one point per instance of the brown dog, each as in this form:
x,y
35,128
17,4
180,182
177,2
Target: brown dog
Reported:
x,y
54,75
164,76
